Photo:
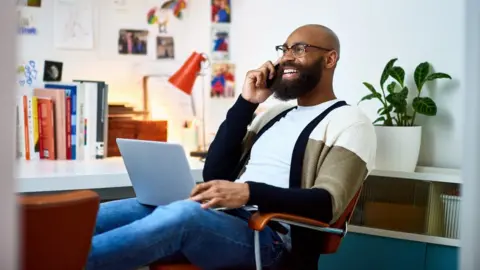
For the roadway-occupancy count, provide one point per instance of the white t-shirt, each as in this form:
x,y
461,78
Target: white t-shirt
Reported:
x,y
271,154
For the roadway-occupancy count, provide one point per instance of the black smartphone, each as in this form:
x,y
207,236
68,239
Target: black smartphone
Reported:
x,y
269,82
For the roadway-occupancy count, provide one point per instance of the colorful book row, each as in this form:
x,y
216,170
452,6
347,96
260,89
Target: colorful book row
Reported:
x,y
63,121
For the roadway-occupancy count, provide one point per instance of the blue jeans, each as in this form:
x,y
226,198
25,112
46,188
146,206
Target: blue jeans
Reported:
x,y
129,235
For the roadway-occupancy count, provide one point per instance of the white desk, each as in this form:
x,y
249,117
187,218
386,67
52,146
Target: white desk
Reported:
x,y
109,177
58,175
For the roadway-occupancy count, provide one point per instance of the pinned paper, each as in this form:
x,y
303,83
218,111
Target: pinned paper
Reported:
x,y
28,73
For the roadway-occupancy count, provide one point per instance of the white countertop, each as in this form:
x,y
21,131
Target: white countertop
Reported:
x,y
58,175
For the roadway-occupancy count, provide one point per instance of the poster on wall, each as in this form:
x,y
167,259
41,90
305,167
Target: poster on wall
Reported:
x,y
73,24
221,11
131,41
222,84
220,42
165,48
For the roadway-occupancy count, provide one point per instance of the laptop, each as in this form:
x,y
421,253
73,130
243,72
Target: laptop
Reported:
x,y
159,171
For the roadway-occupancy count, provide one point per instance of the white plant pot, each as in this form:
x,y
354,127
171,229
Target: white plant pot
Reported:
x,y
398,148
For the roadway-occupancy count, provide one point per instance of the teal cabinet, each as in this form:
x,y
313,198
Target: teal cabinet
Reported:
x,y
441,258
366,252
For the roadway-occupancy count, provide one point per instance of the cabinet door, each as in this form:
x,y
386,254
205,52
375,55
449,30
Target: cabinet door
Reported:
x,y
365,252
441,257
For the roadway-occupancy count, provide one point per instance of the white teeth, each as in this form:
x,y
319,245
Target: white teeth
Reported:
x,y
288,71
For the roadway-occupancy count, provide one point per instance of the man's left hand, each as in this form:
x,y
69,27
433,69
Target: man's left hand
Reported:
x,y
221,193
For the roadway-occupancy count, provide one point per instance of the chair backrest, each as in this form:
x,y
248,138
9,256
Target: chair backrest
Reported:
x,y
57,229
332,241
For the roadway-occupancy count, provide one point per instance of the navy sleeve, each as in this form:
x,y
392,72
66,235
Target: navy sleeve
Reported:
x,y
312,203
225,151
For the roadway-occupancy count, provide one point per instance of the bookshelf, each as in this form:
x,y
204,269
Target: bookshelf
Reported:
x,y
421,206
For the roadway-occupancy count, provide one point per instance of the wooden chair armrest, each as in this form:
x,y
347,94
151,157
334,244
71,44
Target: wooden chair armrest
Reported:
x,y
258,221
56,199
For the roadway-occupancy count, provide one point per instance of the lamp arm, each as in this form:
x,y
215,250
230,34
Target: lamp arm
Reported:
x,y
146,105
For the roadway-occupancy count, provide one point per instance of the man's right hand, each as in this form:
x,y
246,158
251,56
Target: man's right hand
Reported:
x,y
254,89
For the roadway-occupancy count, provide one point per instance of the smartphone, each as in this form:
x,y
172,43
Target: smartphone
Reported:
x,y
269,82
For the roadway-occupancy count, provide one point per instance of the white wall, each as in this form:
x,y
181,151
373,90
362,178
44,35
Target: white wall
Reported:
x,y
371,32
8,224
123,73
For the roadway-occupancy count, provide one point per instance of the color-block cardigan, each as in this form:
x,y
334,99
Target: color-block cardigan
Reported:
x,y
325,173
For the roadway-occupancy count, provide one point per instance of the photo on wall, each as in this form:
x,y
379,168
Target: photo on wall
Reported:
x,y
220,42
221,11
165,48
29,3
52,71
132,41
223,80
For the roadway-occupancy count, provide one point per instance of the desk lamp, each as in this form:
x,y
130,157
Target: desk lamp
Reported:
x,y
183,80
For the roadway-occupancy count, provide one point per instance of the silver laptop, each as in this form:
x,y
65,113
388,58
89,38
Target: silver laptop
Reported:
x,y
159,171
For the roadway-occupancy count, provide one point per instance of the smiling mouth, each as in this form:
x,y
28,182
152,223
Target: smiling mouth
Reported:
x,y
290,73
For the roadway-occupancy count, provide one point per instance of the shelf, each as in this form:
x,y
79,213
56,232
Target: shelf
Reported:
x,y
430,174
405,236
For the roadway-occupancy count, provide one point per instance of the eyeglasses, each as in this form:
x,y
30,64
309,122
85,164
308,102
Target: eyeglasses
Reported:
x,y
298,50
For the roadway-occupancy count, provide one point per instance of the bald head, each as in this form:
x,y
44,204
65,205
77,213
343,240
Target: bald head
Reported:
x,y
319,35
308,61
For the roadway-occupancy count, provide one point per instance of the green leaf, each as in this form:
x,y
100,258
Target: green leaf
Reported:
x,y
420,74
386,71
398,74
404,93
391,87
371,96
371,88
425,106
380,119
438,75
398,101
384,111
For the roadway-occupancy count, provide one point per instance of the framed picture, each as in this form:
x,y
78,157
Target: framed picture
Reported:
x,y
165,48
221,11
223,80
220,42
132,41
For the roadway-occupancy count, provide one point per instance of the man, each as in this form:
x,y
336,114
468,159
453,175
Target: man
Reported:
x,y
299,164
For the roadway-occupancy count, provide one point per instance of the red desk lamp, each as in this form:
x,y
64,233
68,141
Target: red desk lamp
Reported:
x,y
184,80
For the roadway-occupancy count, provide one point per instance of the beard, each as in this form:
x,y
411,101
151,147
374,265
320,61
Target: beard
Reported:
x,y
308,78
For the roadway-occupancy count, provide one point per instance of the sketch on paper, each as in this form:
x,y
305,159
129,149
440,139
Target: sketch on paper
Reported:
x,y
73,24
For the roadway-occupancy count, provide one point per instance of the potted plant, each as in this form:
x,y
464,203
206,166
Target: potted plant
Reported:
x,y
398,136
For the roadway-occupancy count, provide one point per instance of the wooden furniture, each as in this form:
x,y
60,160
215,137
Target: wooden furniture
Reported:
x,y
119,127
57,229
333,236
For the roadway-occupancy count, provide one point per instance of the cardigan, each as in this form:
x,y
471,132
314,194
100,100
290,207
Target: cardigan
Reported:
x,y
338,155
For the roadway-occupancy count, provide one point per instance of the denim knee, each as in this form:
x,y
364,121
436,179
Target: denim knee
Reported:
x,y
183,212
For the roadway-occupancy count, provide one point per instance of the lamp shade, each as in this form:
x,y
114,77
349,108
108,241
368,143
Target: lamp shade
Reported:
x,y
185,77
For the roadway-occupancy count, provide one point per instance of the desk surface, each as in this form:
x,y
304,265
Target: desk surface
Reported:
x,y
58,175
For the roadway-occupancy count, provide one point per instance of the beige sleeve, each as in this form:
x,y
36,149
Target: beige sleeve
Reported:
x,y
341,174
346,165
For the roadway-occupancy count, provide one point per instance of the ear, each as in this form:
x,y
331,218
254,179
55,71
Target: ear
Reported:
x,y
331,59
